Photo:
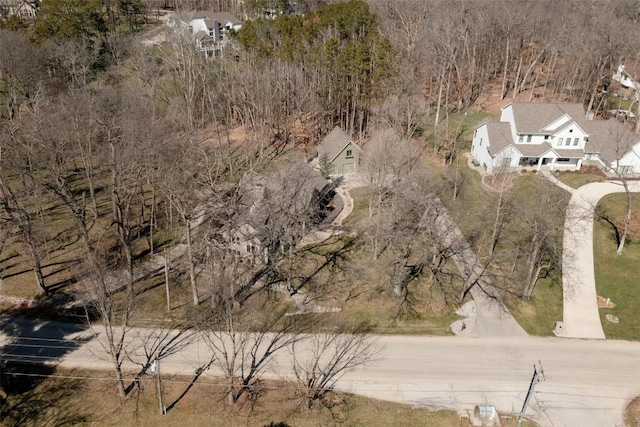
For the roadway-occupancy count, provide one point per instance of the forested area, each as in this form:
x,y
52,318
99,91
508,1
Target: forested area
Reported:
x,y
124,166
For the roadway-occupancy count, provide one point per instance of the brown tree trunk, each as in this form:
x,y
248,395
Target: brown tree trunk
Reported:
x,y
192,268
627,219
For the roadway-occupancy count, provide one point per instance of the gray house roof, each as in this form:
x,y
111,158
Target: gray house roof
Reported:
x,y
334,143
499,136
533,150
290,191
610,139
533,117
569,153
209,17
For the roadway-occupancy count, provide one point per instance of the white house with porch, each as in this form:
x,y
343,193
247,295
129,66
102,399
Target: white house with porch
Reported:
x,y
532,136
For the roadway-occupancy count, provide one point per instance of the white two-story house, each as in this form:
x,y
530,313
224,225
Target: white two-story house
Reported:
x,y
554,137
531,135
210,30
628,75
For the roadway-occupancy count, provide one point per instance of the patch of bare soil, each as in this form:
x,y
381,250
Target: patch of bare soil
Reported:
x,y
592,170
217,135
490,101
632,413
498,183
605,302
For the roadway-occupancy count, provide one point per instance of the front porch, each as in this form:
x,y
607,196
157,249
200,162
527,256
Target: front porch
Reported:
x,y
549,163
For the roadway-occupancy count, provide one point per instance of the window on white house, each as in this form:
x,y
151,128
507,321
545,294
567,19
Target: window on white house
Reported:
x,y
528,138
559,144
520,138
480,142
546,137
567,142
625,170
349,154
575,141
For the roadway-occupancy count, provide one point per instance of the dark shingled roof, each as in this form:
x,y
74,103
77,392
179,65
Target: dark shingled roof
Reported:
x,y
334,143
533,117
610,138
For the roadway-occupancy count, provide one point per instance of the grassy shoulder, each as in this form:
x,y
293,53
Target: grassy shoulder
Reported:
x,y
538,315
89,398
617,275
586,175
632,413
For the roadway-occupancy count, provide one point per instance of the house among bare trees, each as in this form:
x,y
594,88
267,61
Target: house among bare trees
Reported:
x,y
338,152
210,30
24,9
628,74
535,136
274,212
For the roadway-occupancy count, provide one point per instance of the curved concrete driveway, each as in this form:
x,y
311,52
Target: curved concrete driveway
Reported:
x,y
581,318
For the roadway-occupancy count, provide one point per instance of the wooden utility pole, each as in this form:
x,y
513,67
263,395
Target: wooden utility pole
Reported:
x,y
538,376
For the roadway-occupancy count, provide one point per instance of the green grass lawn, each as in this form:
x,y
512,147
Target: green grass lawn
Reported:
x,y
463,122
577,179
538,315
474,207
72,400
617,277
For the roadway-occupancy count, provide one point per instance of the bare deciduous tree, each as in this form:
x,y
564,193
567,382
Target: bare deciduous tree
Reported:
x,y
244,344
321,359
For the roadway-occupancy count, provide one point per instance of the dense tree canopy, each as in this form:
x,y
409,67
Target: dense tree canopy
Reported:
x,y
340,49
74,19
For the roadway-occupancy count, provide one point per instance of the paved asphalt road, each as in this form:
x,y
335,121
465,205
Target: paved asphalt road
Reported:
x,y
581,318
588,382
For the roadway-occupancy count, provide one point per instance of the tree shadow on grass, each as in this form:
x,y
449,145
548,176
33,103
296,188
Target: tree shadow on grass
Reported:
x,y
34,397
31,349
197,375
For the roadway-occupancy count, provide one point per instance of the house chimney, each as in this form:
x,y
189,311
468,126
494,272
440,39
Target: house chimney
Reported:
x,y
590,115
216,31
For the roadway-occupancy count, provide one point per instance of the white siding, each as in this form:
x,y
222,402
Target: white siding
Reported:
x,y
556,124
480,147
507,116
198,25
631,159
509,154
572,132
535,139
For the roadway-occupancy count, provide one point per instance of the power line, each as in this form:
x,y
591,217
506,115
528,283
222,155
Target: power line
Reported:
x,y
288,386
